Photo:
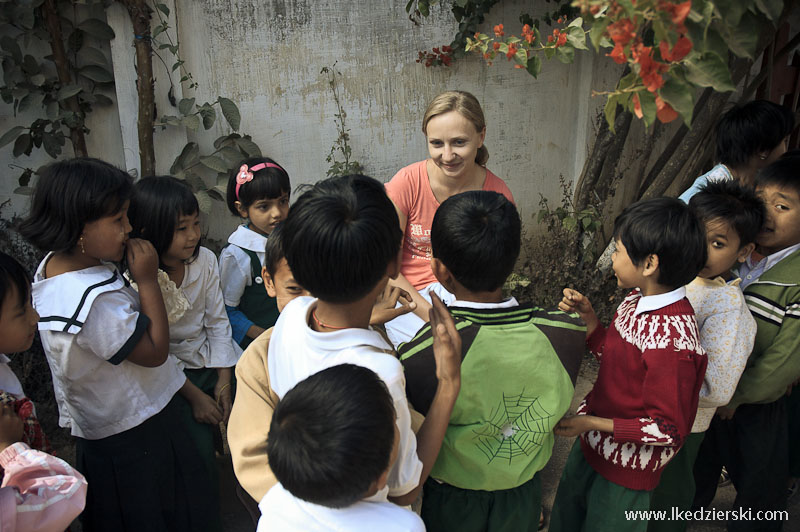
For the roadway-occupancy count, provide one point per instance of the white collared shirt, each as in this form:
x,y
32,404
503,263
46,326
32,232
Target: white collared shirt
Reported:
x,y
235,269
296,352
750,271
9,382
651,303
508,303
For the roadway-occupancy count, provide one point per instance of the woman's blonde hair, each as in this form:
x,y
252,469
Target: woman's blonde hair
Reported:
x,y
467,106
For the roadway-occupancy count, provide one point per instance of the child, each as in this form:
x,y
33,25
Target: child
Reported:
x,y
107,348
748,137
519,355
332,442
644,401
342,242
255,399
165,212
258,191
18,322
749,435
40,493
733,216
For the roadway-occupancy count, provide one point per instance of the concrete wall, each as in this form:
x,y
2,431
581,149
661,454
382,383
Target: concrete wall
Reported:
x,y
267,57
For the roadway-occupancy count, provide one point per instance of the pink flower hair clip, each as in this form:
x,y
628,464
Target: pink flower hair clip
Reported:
x,y
245,174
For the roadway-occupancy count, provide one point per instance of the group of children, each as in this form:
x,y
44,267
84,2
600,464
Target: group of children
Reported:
x,y
330,427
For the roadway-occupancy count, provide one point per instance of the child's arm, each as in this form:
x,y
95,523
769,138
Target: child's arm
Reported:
x,y
574,301
204,408
447,352
727,338
233,279
153,347
250,419
223,393
40,493
777,367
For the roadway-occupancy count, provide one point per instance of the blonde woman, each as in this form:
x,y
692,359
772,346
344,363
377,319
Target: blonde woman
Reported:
x,y
455,129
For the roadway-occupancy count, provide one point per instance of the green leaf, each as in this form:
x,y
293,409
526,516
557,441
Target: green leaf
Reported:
x,y
158,30
230,112
596,33
249,147
409,5
51,145
96,73
38,79
577,23
67,91
97,28
32,101
534,65
187,156
215,163
203,201
731,11
163,8
648,102
680,96
521,57
226,140
24,191
215,194
565,54
102,99
209,117
185,106
714,41
709,70
742,39
231,155
10,45
610,110
191,121
424,8
51,110
771,8
75,40
10,135
577,37
23,144
569,223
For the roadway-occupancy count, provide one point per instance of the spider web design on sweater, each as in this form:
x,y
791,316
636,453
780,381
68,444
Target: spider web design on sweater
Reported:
x,y
516,427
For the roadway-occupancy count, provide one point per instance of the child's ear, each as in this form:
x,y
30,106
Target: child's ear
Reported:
x,y
442,274
650,265
240,208
745,251
269,284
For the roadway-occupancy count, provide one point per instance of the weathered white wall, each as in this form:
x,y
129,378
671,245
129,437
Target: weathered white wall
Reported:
x,y
267,57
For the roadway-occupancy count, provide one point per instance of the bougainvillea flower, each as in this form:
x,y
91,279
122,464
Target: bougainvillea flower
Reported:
x,y
618,54
649,69
637,106
665,112
562,40
682,47
621,31
498,30
512,51
527,33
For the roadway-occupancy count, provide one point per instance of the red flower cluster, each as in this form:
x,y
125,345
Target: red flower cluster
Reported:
x,y
527,33
621,32
559,37
682,47
437,56
677,12
498,30
649,69
512,51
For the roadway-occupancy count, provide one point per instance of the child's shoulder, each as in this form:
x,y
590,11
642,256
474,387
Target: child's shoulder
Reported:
x,y
245,238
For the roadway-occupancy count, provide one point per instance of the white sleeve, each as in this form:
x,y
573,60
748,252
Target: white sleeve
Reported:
x,y
234,274
406,472
113,326
728,339
221,350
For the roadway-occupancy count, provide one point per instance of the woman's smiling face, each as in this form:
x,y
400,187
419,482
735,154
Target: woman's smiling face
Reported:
x,y
453,143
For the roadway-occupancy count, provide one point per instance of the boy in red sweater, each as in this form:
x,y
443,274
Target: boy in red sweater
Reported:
x,y
651,369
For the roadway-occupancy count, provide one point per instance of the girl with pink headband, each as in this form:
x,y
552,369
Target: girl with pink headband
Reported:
x,y
258,192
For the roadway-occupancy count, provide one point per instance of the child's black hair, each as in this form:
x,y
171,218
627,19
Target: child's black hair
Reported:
x,y
13,275
476,235
156,205
668,228
273,251
733,203
783,173
269,183
745,130
332,435
340,237
68,195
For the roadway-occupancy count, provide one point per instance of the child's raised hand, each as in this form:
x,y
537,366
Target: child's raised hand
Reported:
x,y
386,309
574,301
142,260
446,343
10,427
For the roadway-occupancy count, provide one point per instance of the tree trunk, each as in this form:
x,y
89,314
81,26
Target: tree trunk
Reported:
x,y
51,19
140,17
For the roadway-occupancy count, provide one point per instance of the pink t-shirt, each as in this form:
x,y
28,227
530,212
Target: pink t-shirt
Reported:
x,y
410,191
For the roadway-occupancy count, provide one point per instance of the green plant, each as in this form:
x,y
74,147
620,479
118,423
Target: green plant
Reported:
x,y
342,142
583,223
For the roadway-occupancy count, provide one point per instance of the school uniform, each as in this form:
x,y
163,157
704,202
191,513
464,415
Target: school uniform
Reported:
x,y
296,352
142,471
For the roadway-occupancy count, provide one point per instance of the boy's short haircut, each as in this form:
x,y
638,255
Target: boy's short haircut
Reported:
x,y
13,275
273,251
476,235
68,195
783,173
745,130
729,201
332,436
668,228
340,237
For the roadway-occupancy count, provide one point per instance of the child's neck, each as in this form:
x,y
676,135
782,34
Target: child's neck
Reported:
x,y
494,296
63,262
176,271
652,288
330,317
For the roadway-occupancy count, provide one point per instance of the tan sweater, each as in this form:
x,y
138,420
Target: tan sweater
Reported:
x,y
250,419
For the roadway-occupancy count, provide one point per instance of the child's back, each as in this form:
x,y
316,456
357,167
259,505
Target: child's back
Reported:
x,y
519,365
